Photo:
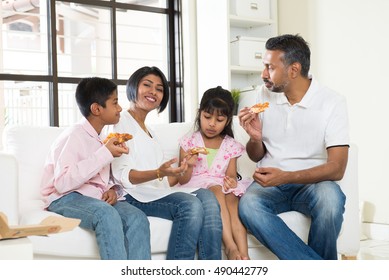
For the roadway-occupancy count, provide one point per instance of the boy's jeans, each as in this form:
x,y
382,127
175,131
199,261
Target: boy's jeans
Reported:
x,y
122,230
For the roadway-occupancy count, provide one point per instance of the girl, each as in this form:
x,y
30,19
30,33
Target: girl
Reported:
x,y
217,171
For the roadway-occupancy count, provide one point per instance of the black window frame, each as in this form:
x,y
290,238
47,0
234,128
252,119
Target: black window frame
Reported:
x,y
175,58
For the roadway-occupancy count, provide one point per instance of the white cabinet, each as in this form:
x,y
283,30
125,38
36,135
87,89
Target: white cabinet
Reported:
x,y
252,22
217,26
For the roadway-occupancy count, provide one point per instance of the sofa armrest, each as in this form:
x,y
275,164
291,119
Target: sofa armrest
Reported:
x,y
9,201
349,238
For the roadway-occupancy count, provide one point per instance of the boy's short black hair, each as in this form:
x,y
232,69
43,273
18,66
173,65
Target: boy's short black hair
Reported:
x,y
138,75
93,90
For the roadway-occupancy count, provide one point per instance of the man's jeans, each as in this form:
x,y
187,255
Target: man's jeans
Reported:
x,y
122,230
196,223
322,202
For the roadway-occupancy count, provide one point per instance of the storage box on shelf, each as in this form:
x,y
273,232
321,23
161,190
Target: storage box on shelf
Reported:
x,y
250,8
247,51
251,24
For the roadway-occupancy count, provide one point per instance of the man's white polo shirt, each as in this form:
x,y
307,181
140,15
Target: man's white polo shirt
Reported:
x,y
297,136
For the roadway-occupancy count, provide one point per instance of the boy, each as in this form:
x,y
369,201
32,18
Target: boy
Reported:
x,y
77,180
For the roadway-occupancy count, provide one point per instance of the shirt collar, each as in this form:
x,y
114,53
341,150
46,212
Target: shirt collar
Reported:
x,y
306,101
85,124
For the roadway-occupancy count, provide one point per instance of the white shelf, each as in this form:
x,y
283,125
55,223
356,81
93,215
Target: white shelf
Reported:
x,y
249,23
236,69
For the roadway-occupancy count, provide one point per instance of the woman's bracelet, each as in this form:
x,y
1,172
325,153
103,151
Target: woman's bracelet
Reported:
x,y
159,175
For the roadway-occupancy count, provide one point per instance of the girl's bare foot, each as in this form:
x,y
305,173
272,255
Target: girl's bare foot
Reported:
x,y
233,254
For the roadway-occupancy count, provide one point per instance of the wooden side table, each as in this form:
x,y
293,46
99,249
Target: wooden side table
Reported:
x,y
16,249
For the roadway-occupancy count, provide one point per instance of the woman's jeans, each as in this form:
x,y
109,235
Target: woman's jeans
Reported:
x,y
323,202
196,223
122,230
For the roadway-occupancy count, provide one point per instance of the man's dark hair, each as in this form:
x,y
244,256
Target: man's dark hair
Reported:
x,y
295,49
138,75
93,90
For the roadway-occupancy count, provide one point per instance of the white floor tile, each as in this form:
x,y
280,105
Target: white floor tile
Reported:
x,y
374,250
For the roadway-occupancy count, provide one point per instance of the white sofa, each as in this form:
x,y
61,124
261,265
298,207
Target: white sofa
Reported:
x,y
21,165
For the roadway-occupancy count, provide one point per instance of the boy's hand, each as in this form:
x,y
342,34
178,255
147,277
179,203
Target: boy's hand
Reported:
x,y
116,149
110,197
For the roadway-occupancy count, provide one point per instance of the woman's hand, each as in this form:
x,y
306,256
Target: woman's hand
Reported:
x,y
166,169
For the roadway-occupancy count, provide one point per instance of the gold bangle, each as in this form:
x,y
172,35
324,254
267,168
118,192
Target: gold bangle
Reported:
x,y
158,175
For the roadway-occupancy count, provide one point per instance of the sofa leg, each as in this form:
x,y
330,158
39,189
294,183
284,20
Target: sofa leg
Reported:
x,y
348,258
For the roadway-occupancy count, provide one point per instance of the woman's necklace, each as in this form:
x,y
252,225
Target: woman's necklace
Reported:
x,y
140,123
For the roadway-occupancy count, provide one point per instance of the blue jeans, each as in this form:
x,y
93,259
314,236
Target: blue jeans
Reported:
x,y
196,223
122,231
322,202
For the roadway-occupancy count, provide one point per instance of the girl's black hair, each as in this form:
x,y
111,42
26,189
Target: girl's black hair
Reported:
x,y
93,90
138,75
218,99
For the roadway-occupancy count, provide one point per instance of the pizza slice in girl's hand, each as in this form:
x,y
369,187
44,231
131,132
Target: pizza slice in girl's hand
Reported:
x,y
122,137
198,150
259,108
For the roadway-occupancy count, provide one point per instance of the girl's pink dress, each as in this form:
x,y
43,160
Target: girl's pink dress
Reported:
x,y
204,177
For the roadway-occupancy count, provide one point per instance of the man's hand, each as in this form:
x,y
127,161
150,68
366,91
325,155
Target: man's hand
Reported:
x,y
270,176
251,124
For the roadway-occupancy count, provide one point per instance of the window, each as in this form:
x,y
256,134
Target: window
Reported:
x,y
48,45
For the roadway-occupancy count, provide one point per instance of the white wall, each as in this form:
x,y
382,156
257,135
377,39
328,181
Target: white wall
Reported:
x,y
349,42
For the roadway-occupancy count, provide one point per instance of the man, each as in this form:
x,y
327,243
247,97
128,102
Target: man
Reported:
x,y
301,145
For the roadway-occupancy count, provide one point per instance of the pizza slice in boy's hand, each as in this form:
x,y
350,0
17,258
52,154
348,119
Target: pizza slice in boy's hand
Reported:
x,y
198,150
259,108
122,137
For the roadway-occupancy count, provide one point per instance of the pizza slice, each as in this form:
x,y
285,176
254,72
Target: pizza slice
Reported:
x,y
198,150
259,108
122,137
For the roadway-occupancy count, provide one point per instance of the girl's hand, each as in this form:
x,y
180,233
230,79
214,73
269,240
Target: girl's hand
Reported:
x,y
190,159
110,197
229,183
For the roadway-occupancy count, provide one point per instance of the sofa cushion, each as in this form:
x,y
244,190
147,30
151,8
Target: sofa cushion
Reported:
x,y
81,243
30,145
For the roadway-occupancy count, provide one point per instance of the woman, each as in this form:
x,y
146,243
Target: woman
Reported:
x,y
147,178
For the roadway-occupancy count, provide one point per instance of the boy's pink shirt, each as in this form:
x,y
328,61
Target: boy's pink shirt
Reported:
x,y
78,161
